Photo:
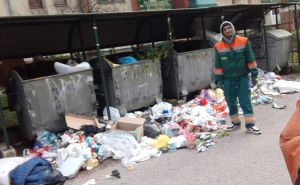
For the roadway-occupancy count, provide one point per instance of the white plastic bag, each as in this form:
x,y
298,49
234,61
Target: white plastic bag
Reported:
x,y
161,110
61,68
7,165
114,113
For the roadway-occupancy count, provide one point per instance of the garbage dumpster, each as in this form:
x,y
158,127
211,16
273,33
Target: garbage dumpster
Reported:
x,y
132,86
188,68
278,45
42,97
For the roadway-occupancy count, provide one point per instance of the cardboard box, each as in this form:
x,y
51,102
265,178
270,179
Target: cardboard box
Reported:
x,y
76,121
133,126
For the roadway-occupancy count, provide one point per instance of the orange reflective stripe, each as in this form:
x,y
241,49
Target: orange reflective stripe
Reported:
x,y
252,65
221,46
235,118
218,71
249,120
239,42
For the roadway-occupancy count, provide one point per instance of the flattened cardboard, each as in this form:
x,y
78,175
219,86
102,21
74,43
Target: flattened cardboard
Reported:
x,y
133,126
76,121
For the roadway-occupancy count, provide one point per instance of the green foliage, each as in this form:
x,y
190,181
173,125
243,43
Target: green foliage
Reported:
x,y
154,4
223,134
155,53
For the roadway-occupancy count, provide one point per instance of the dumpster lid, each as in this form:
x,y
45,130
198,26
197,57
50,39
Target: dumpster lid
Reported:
x,y
27,36
279,34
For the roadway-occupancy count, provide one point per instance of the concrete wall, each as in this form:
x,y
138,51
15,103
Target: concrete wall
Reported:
x,y
21,7
4,10
112,7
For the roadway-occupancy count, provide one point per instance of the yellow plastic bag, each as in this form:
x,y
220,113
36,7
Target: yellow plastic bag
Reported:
x,y
161,141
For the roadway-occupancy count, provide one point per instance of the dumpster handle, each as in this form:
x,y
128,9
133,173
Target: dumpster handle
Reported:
x,y
276,13
203,27
70,36
81,41
265,42
101,67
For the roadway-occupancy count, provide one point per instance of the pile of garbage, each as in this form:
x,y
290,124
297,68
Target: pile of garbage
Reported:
x,y
136,137
271,85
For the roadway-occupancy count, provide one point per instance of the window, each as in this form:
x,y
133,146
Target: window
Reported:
x,y
35,3
60,2
111,1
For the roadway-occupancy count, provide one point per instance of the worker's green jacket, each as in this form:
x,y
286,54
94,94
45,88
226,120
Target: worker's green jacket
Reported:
x,y
235,60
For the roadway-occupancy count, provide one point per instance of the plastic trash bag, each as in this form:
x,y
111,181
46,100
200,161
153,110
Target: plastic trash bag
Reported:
x,y
161,110
61,68
8,164
122,145
127,60
114,113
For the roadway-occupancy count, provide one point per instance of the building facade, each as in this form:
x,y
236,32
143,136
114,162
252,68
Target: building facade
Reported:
x,y
53,7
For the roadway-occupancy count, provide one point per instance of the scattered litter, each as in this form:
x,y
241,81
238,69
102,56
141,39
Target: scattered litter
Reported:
x,y
115,174
276,106
287,86
90,164
77,121
114,113
264,100
223,134
90,182
139,136
71,166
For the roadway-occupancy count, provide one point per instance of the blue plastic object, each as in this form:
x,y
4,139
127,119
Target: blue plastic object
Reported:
x,y
127,60
202,3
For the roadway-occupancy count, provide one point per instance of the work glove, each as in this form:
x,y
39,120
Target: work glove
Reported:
x,y
254,81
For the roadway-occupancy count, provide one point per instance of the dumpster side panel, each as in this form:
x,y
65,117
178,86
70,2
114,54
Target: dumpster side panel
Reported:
x,y
137,85
49,98
284,51
195,69
21,107
273,51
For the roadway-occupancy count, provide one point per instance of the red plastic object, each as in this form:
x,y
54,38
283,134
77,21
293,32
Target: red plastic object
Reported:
x,y
203,102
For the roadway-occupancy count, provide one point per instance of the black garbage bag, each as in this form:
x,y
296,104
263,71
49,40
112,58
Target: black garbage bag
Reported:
x,y
54,177
151,129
